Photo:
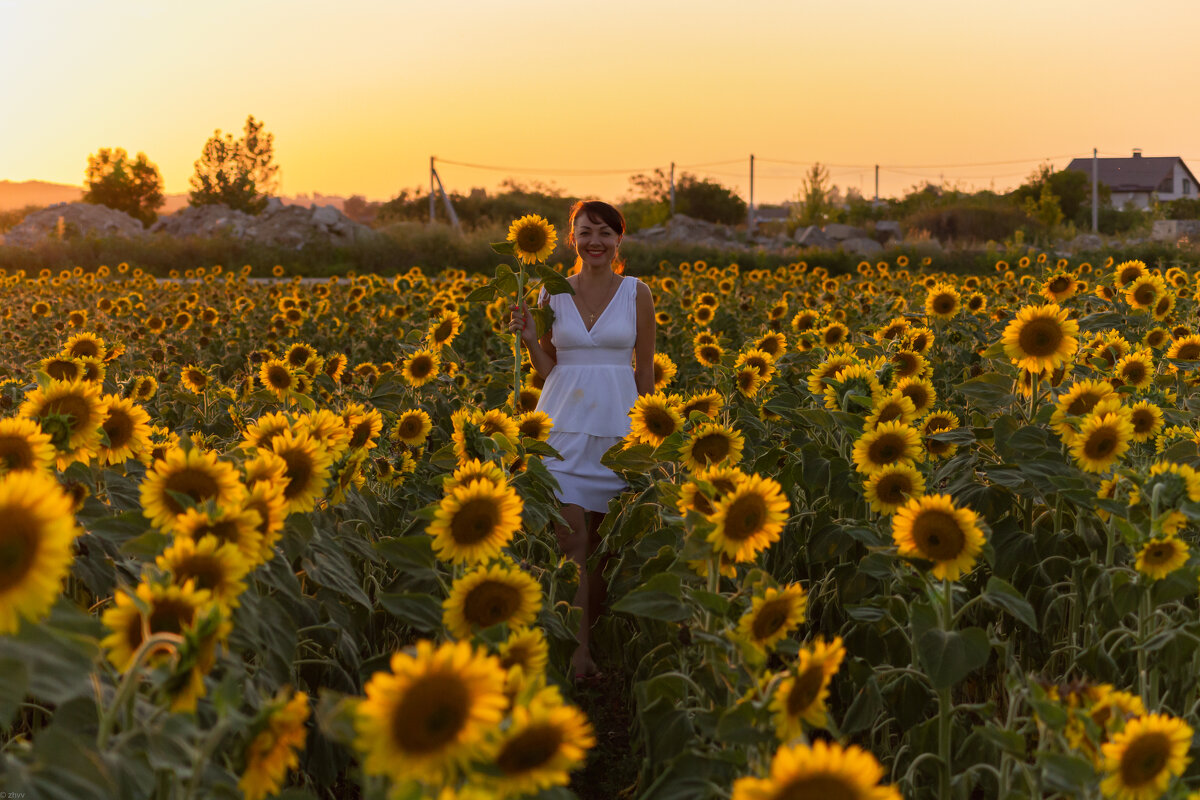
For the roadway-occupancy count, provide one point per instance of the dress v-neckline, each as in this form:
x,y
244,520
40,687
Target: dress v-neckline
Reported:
x,y
599,316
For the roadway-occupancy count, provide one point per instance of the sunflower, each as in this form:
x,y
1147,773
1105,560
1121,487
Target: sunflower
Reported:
x,y
278,377
664,371
758,359
275,747
935,422
62,368
721,481
210,563
708,354
908,364
533,238
85,344
942,302
1127,272
488,596
1158,558
364,426
653,418
1078,401
1186,348
891,487
535,425
1136,370
889,443
413,427
526,649
1144,291
1102,440
706,403
474,470
710,444
772,615
1147,420
773,344
748,381
335,365
1059,286
822,770
421,367
35,545
71,413
308,469
545,741
24,447
437,710
1140,761
233,524
299,355
127,428
442,332
267,500
494,421
802,695
1040,337
833,334
855,381
195,379
820,376
474,521
748,519
529,397
934,529
197,474
327,429
893,407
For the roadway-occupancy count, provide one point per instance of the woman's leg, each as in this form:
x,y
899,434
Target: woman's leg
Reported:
x,y
573,542
597,586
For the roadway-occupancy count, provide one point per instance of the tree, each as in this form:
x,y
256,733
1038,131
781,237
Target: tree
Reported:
x,y
708,200
237,173
816,196
655,187
132,186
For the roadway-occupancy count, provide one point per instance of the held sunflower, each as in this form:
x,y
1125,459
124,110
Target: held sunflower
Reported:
x,y
533,238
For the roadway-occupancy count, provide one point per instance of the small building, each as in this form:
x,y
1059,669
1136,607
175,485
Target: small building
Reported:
x,y
1142,180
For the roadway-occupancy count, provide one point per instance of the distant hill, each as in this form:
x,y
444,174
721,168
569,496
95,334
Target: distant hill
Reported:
x,y
18,194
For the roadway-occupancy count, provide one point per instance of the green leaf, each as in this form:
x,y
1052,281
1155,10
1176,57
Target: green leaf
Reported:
x,y
867,704
949,656
485,293
1064,773
988,391
420,611
658,598
1002,594
504,248
505,280
740,725
553,282
12,689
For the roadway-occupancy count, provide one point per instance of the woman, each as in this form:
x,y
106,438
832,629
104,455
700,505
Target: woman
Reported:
x,y
590,387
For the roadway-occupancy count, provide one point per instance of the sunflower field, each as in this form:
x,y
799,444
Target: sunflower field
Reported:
x,y
893,533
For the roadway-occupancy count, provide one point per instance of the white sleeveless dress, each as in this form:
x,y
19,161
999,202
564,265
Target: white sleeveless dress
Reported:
x,y
589,393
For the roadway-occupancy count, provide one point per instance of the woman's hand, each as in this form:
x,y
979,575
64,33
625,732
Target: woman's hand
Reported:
x,y
522,323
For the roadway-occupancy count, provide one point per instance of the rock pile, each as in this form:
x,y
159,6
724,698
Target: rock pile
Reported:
x,y
288,226
78,219
689,230
684,229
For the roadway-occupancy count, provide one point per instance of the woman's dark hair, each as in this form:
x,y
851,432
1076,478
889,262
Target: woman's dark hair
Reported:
x,y
597,211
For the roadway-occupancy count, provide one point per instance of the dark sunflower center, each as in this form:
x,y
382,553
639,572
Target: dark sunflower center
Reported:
x,y
475,521
1101,442
531,238
1083,404
1134,372
15,453
431,714
1143,421
817,787
62,370
710,353
529,749
1127,275
73,406
1189,351
170,615
207,571
893,488
361,435
944,303
420,367
279,377
299,474
1144,295
1060,284
410,427
491,603
442,332
938,536
1040,337
659,422
1159,554
119,427
745,517
771,616
194,483
531,428
918,395
887,448
1144,759
713,448
805,690
18,546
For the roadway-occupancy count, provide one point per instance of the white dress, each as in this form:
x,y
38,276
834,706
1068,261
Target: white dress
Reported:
x,y
589,393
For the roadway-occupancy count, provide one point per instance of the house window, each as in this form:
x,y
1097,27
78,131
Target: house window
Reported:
x,y
1187,186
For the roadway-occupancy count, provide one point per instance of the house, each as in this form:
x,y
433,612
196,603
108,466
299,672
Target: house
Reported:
x,y
1141,180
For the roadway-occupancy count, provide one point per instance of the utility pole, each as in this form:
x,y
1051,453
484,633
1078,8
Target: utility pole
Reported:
x,y
672,188
876,184
1095,192
431,206
446,200
750,220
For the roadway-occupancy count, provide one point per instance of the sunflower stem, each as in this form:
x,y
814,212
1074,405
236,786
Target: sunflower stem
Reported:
x,y
204,755
129,683
945,708
517,340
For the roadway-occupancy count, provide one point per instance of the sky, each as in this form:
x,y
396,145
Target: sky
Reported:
x,y
360,94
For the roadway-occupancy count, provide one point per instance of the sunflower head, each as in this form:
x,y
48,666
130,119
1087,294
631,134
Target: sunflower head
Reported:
x,y
532,237
933,528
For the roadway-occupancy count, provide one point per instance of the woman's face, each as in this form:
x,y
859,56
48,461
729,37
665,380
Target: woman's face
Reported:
x,y
595,242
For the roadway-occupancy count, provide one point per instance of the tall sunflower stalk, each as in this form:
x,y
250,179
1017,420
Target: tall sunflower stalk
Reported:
x,y
531,239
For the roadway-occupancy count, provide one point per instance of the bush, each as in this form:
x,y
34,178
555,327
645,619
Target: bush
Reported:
x,y
972,221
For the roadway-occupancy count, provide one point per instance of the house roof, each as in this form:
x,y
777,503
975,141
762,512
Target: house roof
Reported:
x,y
1138,174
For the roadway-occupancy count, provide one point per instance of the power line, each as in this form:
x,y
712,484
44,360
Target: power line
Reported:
x,y
548,170
924,166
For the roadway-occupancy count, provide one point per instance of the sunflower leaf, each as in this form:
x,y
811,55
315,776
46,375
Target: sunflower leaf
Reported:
x,y
949,656
1003,595
504,248
482,294
552,282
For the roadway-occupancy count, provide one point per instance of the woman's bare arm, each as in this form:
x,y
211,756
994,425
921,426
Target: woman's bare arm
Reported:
x,y
643,348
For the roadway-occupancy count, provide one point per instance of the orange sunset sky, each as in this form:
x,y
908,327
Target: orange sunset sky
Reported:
x,y
359,94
